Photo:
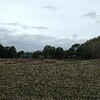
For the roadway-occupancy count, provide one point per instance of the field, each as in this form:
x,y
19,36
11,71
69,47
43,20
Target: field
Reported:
x,y
27,79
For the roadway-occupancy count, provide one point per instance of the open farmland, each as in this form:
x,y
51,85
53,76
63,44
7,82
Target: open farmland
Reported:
x,y
27,79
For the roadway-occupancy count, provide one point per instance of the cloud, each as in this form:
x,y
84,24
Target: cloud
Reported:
x,y
40,28
26,41
90,15
66,43
49,7
74,36
31,42
5,30
26,26
98,21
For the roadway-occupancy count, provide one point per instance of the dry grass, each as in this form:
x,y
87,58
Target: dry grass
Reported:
x,y
22,79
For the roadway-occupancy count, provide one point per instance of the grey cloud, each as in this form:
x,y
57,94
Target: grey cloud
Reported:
x,y
15,24
36,42
66,43
49,7
74,36
31,42
90,15
39,27
98,21
20,25
25,41
5,30
26,26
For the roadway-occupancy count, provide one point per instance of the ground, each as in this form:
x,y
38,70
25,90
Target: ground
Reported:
x,y
29,79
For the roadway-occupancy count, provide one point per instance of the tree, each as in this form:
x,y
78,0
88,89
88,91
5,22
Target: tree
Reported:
x,y
73,51
1,51
38,54
7,53
49,51
59,52
95,51
13,52
66,54
35,55
10,52
90,49
20,54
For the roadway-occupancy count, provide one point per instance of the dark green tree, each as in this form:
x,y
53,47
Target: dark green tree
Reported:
x,y
13,52
73,51
90,49
66,56
20,54
38,54
59,53
7,53
49,51
1,51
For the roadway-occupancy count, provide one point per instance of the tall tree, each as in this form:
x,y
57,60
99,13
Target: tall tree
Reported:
x,y
73,51
13,52
7,53
49,51
1,51
90,49
59,53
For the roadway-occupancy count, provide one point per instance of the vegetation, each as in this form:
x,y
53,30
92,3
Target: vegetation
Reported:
x,y
7,52
28,79
49,76
90,49
87,50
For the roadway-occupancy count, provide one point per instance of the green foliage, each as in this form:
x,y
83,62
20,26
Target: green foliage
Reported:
x,y
90,49
59,53
20,54
2,49
72,52
66,55
38,54
7,52
49,51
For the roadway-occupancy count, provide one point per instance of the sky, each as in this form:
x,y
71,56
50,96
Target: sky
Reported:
x,y
31,24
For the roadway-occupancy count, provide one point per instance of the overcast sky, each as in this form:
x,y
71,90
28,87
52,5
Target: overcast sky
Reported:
x,y
31,24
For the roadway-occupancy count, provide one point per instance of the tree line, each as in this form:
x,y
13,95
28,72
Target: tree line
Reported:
x,y
88,50
7,52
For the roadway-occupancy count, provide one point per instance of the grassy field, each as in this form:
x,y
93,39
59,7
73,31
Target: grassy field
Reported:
x,y
22,79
